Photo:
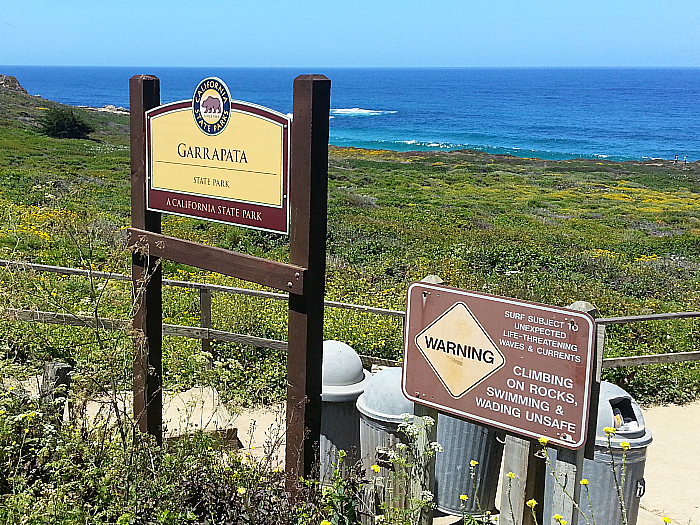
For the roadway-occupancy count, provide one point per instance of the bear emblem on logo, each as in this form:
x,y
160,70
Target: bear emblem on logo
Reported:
x,y
211,106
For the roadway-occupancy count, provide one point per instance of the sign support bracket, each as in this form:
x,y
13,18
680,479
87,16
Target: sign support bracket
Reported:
x,y
282,276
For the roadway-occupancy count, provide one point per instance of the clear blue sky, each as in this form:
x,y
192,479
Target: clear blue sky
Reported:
x,y
351,33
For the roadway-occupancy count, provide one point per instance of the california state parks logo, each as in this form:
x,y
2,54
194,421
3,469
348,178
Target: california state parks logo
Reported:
x,y
211,106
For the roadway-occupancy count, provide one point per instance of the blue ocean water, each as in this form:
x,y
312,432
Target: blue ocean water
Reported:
x,y
550,113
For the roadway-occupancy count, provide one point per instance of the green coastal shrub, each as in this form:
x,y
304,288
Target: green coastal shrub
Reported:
x,y
64,124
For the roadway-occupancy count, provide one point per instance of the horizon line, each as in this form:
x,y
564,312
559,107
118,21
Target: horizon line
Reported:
x,y
359,67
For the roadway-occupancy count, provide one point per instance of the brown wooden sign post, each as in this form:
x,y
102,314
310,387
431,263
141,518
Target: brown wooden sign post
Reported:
x,y
303,277
144,94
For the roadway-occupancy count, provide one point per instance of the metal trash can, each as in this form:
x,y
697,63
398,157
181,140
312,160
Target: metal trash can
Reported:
x,y
616,409
344,380
463,442
381,409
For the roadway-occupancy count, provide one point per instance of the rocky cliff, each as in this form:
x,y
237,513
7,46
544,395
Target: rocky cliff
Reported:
x,y
8,82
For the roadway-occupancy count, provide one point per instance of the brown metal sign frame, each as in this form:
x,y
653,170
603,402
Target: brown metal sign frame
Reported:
x,y
303,277
529,371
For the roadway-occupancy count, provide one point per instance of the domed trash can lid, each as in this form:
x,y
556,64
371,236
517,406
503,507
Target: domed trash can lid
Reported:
x,y
344,379
617,409
383,399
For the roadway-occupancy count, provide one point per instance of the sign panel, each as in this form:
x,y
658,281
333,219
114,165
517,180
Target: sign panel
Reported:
x,y
219,159
523,367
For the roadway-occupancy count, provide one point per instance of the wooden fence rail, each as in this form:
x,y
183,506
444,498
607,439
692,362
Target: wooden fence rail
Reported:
x,y
206,333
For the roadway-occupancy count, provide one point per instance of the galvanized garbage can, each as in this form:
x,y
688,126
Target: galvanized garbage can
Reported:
x,y
381,408
344,380
463,442
616,409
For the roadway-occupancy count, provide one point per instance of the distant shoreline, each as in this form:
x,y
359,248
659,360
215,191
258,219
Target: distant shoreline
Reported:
x,y
604,114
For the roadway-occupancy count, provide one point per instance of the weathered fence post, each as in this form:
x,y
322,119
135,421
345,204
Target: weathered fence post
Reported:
x,y
568,470
205,320
55,381
519,457
425,478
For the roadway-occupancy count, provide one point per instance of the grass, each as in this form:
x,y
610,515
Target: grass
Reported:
x,y
624,236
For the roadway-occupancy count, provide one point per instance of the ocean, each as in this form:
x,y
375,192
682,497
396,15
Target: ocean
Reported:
x,y
548,113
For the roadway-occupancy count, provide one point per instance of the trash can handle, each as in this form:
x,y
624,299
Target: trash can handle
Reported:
x,y
383,457
641,488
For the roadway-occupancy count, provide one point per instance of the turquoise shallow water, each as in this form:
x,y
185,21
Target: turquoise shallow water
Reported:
x,y
557,113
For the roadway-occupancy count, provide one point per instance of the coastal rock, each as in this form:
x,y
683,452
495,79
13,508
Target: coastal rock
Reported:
x,y
12,83
109,108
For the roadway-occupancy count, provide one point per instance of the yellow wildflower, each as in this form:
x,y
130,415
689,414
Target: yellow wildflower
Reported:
x,y
584,481
510,475
666,520
241,490
609,431
473,463
625,446
531,503
463,497
325,522
375,468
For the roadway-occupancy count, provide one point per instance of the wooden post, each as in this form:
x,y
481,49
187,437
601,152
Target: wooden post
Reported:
x,y
589,451
55,382
146,271
308,205
426,481
205,319
567,489
569,466
530,470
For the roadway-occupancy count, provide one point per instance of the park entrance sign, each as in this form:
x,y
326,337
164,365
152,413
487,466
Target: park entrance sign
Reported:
x,y
219,159
523,367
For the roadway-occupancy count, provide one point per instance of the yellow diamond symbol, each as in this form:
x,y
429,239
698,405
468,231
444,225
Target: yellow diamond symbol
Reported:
x,y
459,350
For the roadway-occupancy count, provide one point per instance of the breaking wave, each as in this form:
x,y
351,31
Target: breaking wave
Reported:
x,y
359,112
428,145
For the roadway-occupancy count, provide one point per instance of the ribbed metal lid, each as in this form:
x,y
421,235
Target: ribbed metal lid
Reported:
x,y
343,376
383,399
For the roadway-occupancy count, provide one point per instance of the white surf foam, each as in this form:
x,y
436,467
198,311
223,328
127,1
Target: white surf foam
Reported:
x,y
359,112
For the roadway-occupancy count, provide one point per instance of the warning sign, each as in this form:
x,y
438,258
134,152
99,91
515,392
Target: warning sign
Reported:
x,y
515,365
459,350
